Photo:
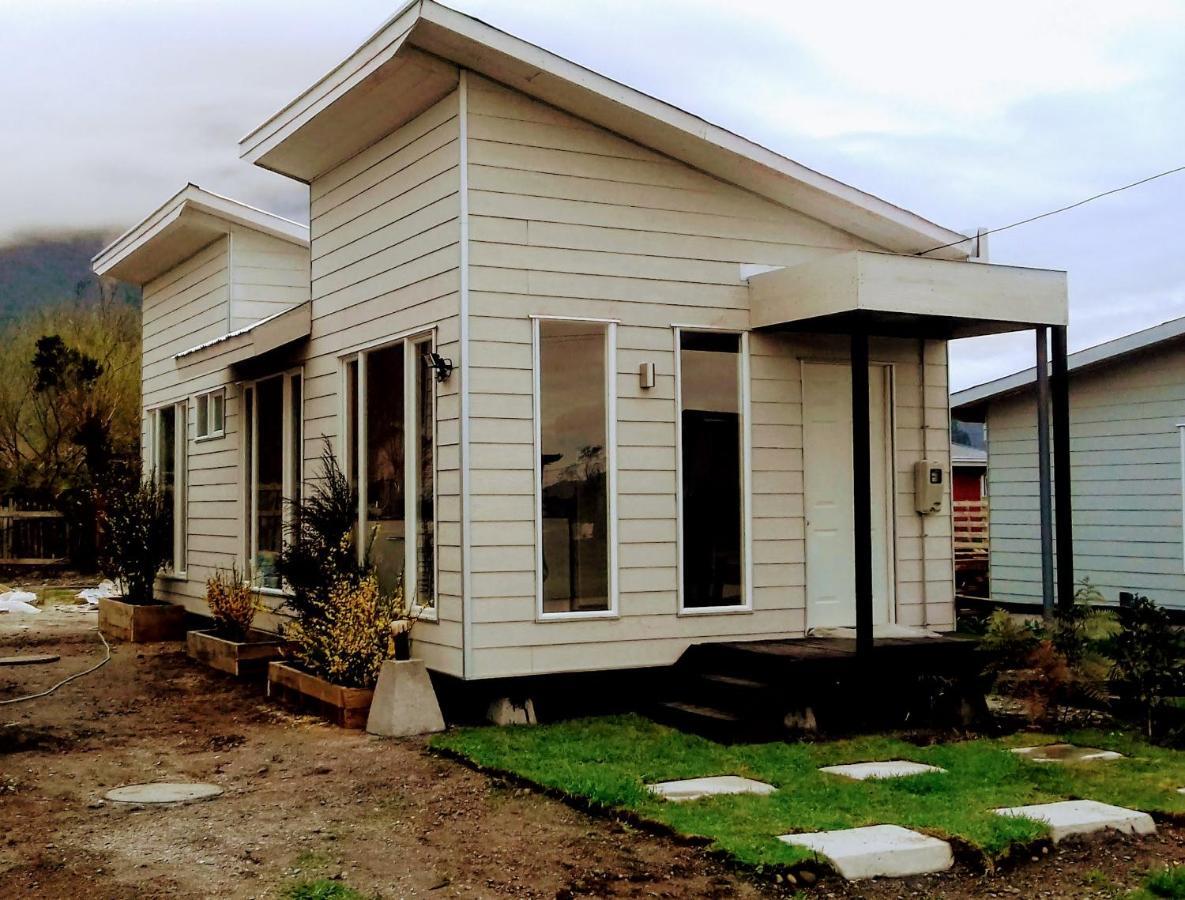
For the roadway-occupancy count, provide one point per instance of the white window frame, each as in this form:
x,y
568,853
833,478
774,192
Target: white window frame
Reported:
x,y
611,464
207,398
180,562
293,466
745,405
411,458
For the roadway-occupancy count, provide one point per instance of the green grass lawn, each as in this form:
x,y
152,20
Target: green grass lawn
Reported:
x,y
607,762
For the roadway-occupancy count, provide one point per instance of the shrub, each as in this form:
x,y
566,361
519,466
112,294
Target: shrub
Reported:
x,y
1007,641
1148,655
138,532
232,603
350,635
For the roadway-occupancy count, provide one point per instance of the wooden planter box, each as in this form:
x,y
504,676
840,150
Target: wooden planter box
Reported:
x,y
141,623
344,706
239,658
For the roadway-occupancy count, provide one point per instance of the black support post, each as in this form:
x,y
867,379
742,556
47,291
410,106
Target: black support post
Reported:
x,y
1044,472
1064,530
862,493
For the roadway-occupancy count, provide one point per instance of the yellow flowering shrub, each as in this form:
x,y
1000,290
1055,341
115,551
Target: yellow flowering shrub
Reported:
x,y
232,603
350,637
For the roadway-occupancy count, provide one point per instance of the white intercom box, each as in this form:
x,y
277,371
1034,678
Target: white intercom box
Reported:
x,y
929,477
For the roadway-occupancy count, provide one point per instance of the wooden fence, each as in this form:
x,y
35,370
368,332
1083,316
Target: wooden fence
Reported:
x,y
971,530
32,537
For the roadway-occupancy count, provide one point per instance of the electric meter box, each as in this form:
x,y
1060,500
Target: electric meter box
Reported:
x,y
929,478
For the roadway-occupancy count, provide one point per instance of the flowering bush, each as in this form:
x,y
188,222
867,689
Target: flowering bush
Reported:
x,y
350,635
138,532
232,603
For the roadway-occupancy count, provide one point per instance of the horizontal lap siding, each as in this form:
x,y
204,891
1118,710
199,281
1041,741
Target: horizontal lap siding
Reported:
x,y
270,275
1125,459
385,260
183,308
568,219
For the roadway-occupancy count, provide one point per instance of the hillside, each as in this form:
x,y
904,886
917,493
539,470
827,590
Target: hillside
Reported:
x,y
39,271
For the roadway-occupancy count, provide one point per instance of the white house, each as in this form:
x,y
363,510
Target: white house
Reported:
x,y
657,329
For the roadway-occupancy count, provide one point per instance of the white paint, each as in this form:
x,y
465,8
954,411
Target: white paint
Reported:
x,y
1083,817
464,450
714,786
892,768
830,527
877,850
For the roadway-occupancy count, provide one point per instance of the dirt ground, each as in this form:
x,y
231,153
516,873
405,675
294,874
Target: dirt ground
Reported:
x,y
305,800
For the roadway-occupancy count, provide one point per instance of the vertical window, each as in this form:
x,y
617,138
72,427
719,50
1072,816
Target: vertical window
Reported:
x,y
574,409
272,451
712,470
210,414
170,469
390,435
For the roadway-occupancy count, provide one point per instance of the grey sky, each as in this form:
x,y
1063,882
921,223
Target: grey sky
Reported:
x,y
969,114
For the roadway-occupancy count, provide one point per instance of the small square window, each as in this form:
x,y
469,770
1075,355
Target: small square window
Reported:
x,y
210,414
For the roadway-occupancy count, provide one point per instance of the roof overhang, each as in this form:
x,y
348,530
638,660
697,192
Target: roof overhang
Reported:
x,y
412,62
191,219
246,345
885,294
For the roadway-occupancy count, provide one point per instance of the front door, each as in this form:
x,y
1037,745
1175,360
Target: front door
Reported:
x,y
828,496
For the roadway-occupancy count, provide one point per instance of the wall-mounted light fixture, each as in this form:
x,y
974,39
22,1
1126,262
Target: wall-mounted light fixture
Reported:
x,y
646,375
441,366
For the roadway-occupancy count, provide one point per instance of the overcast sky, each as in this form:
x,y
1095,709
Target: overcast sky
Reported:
x,y
971,114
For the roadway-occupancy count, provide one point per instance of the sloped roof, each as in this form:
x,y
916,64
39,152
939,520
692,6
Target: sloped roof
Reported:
x,y
412,62
1106,353
188,221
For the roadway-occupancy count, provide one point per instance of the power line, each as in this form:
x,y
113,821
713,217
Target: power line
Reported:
x,y
1054,212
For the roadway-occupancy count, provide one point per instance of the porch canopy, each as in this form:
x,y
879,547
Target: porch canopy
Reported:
x,y
865,294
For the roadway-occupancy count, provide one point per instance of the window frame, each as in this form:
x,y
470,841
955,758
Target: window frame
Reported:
x,y
356,455
207,398
611,375
745,406
181,432
293,465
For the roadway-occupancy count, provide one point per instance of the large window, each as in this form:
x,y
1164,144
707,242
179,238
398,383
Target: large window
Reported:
x,y
272,451
170,455
574,410
712,471
390,439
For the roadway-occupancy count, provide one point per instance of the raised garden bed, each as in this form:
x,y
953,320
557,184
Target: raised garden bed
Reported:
x,y
141,623
344,706
248,657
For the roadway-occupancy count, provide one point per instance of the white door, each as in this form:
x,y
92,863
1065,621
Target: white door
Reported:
x,y
828,500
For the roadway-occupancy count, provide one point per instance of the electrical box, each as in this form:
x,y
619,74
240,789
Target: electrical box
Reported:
x,y
929,478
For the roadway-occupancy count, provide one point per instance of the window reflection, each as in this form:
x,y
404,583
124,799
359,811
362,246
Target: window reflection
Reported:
x,y
385,474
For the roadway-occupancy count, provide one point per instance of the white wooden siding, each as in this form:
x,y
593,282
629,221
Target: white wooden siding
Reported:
x,y
1126,470
568,219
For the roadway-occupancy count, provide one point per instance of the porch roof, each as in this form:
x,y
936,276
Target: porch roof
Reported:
x,y
909,296
245,345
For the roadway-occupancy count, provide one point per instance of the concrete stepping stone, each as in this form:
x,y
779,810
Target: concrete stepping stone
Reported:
x,y
877,851
891,768
163,792
715,786
1066,753
1083,817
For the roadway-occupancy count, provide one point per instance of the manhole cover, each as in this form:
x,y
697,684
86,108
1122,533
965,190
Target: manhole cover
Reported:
x,y
163,792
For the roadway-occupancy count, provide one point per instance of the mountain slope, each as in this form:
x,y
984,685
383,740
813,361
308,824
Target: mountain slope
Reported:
x,y
38,271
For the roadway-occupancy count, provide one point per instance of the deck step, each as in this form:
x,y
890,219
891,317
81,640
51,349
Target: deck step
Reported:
x,y
698,711
734,681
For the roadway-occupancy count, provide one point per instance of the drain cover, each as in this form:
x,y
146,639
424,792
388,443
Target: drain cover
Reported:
x,y
163,792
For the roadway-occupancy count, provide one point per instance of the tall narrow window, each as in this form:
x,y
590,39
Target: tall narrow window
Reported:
x,y
574,540
170,453
390,447
272,452
712,469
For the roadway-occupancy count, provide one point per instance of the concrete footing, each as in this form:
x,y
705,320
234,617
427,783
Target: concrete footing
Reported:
x,y
404,701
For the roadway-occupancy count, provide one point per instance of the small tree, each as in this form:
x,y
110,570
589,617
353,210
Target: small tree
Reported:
x,y
137,523
1148,655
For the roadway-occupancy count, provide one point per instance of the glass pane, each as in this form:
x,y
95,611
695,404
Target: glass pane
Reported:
x,y
574,473
295,423
350,463
182,487
425,486
203,420
385,472
216,412
166,460
269,491
709,366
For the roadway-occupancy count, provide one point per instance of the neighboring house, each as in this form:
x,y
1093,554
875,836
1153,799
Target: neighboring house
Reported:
x,y
1127,415
968,479
647,440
